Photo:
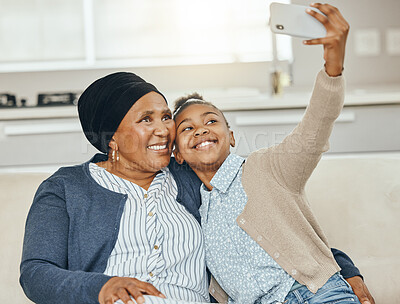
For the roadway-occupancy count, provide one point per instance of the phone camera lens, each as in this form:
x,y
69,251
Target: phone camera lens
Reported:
x,y
279,27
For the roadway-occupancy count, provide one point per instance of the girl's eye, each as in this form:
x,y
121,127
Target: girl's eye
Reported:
x,y
211,121
187,129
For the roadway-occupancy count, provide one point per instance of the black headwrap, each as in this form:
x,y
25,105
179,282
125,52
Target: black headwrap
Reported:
x,y
104,104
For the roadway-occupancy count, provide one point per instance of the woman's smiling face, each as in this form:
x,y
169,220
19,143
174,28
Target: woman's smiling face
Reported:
x,y
146,134
203,138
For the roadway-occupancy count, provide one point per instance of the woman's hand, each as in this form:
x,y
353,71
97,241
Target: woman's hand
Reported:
x,y
123,288
334,42
360,290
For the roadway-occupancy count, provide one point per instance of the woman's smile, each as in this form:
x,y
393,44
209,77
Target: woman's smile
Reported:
x,y
159,148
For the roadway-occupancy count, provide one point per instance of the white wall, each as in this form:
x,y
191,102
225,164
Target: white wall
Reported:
x,y
361,14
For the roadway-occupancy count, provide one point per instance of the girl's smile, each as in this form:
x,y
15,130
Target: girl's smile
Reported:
x,y
205,145
203,138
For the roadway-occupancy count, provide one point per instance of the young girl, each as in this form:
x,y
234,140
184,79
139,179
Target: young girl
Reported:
x,y
263,244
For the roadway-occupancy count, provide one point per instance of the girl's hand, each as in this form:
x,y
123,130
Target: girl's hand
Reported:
x,y
121,288
360,290
334,42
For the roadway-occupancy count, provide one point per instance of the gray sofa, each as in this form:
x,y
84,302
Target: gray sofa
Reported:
x,y
357,201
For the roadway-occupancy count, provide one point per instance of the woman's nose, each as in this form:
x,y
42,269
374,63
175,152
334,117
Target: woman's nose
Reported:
x,y
161,129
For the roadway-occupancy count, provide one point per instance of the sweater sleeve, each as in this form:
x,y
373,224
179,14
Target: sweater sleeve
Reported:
x,y
45,277
349,270
293,161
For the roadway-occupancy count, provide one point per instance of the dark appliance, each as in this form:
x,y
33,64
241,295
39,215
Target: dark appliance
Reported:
x,y
7,100
56,99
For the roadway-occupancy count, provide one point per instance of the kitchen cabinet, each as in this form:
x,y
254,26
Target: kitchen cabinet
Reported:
x,y
43,142
33,140
358,129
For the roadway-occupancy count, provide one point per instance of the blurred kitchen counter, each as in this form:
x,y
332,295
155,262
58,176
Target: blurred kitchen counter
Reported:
x,y
52,135
233,99
297,99
38,112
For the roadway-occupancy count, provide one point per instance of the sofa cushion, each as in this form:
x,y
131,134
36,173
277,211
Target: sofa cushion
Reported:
x,y
16,195
357,203
356,200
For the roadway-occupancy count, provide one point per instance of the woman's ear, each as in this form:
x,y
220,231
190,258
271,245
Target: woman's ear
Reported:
x,y
178,156
113,144
231,138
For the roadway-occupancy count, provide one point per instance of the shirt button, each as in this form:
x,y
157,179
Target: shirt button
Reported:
x,y
294,272
151,213
242,221
151,274
155,247
276,255
146,195
213,290
312,286
259,238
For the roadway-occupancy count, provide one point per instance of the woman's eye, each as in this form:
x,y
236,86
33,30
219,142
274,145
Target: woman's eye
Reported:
x,y
145,119
211,121
167,117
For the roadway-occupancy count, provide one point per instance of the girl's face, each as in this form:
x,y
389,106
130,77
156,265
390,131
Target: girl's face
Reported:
x,y
203,138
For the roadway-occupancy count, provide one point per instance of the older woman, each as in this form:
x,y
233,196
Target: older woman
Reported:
x,y
126,223
94,225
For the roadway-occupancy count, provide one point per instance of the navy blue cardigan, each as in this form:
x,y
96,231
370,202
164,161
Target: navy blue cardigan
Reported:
x,y
73,225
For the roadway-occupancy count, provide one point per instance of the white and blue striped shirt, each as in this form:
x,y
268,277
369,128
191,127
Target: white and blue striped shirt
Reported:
x,y
159,241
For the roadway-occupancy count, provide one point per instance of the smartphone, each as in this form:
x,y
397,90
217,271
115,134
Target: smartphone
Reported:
x,y
292,19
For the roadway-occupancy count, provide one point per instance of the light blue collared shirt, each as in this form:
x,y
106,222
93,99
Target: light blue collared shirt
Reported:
x,y
243,269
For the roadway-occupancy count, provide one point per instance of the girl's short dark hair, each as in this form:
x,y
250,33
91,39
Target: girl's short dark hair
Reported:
x,y
194,98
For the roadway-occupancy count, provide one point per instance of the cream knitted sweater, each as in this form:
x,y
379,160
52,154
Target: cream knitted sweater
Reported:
x,y
277,215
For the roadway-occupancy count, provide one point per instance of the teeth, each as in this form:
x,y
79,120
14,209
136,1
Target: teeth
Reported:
x,y
204,143
157,147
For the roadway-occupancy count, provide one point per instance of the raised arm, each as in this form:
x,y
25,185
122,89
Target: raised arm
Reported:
x,y
297,156
334,51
